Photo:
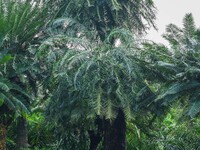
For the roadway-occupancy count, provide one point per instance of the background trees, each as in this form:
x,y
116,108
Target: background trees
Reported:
x,y
179,66
103,16
184,64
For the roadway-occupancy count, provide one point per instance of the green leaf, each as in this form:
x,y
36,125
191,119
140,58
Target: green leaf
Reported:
x,y
179,87
1,102
195,109
164,64
4,87
176,90
5,59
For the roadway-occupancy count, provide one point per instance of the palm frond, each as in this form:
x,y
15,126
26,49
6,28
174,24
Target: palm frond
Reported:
x,y
189,27
21,20
101,78
195,109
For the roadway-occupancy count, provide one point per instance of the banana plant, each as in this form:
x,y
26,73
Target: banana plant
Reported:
x,y
182,66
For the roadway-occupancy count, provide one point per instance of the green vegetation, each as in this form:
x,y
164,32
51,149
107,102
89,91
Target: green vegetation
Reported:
x,y
75,75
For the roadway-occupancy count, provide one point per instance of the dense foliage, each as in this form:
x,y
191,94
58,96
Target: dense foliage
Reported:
x,y
78,76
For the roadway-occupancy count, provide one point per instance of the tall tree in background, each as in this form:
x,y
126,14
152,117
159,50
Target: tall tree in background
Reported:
x,y
183,65
99,83
102,16
113,67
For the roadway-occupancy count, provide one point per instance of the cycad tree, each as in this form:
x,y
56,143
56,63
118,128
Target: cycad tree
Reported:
x,y
96,82
20,21
92,76
4,89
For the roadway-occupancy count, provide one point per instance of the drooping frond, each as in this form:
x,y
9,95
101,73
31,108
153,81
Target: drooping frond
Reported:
x,y
99,80
14,97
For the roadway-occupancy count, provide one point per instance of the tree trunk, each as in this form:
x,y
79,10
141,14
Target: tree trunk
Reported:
x,y
22,136
96,137
115,133
2,137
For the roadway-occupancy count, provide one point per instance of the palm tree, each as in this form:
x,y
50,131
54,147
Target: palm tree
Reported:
x,y
100,18
3,88
20,21
95,82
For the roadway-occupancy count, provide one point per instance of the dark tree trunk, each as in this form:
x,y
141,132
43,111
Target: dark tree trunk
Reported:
x,y
115,133
2,137
22,135
96,137
5,121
